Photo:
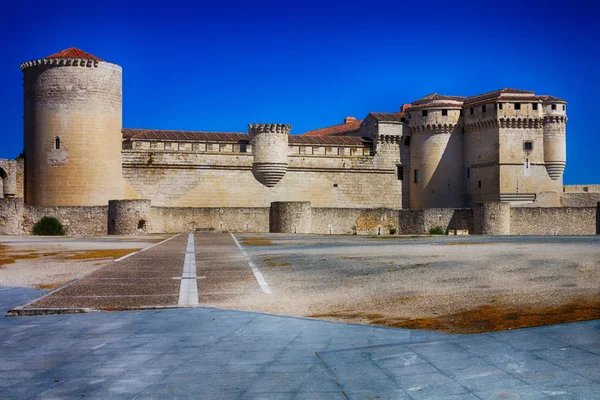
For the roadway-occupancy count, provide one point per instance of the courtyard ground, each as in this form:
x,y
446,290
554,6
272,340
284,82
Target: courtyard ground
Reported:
x,y
451,284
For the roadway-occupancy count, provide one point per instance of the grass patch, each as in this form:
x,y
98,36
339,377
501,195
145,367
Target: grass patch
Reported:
x,y
257,241
48,226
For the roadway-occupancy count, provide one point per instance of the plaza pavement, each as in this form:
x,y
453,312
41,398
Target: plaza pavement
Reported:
x,y
206,353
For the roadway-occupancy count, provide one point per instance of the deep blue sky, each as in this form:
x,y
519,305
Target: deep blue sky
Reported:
x,y
220,65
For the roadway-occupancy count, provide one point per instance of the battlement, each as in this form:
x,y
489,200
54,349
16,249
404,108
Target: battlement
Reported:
x,y
256,129
73,62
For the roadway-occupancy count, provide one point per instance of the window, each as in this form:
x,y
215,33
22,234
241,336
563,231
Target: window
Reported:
x,y
416,176
479,184
461,113
335,185
553,107
517,106
444,113
243,147
400,170
468,172
57,143
564,107
424,113
483,108
586,189
471,110
499,106
528,146
534,106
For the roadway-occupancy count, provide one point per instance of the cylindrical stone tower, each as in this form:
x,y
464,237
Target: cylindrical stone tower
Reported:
x,y
270,151
555,144
436,152
290,217
491,218
72,121
128,217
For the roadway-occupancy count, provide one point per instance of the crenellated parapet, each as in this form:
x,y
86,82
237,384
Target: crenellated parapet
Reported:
x,y
433,128
520,123
270,152
555,119
67,62
390,139
256,129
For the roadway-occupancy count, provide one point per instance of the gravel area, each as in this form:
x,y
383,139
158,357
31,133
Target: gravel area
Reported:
x,y
48,262
481,283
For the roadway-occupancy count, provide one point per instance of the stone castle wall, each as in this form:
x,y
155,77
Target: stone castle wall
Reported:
x,y
554,221
421,221
17,218
179,179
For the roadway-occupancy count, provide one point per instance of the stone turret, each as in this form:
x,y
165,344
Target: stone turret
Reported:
x,y
555,146
270,151
436,152
72,130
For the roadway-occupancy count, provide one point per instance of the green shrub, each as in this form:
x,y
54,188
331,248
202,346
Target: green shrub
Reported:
x,y
436,230
392,230
48,226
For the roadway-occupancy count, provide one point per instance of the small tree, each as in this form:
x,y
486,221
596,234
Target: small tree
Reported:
x,y
48,226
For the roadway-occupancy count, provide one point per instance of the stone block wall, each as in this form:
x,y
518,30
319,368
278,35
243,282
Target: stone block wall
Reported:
x,y
554,221
235,219
377,221
583,199
492,218
78,221
11,216
421,221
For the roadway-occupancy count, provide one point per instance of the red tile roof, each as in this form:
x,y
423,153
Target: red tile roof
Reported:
x,y
73,52
332,140
552,98
192,136
497,93
187,136
388,117
336,130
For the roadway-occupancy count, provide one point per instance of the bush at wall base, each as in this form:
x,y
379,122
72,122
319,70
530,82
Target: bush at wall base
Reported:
x,y
436,230
48,226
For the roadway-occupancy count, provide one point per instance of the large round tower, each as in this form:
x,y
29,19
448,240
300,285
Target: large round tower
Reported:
x,y
555,145
72,120
436,152
270,151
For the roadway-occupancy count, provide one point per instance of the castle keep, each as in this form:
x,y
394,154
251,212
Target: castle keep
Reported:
x,y
439,152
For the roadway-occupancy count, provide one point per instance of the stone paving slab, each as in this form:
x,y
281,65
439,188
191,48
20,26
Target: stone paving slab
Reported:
x,y
206,353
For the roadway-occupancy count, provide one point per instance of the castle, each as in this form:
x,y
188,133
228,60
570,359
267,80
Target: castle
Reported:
x,y
437,152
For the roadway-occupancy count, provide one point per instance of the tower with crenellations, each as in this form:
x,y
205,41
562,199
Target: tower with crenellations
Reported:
x,y
72,130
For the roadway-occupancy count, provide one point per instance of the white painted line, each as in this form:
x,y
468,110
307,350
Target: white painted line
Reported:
x,y
188,290
259,277
145,248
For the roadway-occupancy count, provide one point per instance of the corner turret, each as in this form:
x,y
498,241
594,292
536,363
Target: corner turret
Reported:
x,y
270,151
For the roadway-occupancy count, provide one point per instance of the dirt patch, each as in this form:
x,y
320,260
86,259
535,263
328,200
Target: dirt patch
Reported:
x,y
257,241
11,257
487,318
92,254
274,263
49,286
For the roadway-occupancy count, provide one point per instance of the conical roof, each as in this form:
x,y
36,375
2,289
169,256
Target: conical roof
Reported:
x,y
73,52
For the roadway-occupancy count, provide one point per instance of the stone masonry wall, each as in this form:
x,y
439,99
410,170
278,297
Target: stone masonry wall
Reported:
x,y
553,221
421,221
78,221
361,221
235,219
